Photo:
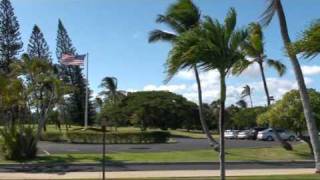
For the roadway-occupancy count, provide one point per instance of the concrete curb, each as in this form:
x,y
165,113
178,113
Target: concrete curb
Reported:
x,y
157,163
154,174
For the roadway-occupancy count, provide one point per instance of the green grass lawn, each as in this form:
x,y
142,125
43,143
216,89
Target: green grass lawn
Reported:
x,y
300,152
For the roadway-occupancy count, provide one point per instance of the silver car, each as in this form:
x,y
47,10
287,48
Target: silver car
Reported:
x,y
231,134
246,134
269,135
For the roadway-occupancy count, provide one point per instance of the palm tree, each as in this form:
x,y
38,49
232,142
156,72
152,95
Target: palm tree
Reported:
x,y
247,92
112,94
181,17
218,46
275,7
309,43
44,87
254,48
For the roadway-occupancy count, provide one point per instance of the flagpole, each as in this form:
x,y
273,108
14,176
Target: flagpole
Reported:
x,y
87,94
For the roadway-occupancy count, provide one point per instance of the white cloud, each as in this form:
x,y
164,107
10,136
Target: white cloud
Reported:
x,y
171,88
252,71
186,75
310,70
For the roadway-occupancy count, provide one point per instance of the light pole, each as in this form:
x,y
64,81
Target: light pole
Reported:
x,y
103,125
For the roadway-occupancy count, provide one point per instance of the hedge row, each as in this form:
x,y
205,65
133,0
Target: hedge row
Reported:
x,y
111,138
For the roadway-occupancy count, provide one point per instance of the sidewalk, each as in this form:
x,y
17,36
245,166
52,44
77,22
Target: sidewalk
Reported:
x,y
153,174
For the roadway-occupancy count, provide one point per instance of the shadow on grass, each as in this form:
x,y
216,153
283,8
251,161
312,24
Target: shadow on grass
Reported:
x,y
61,164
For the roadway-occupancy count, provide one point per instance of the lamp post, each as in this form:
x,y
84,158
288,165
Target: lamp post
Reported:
x,y
103,125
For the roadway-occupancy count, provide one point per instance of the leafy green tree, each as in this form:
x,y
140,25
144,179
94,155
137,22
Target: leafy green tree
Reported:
x,y
181,17
38,46
288,113
44,87
218,46
159,109
275,7
13,99
242,103
10,40
74,77
246,117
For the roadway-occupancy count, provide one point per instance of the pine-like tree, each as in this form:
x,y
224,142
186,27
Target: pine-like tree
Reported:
x,y
73,76
38,46
10,40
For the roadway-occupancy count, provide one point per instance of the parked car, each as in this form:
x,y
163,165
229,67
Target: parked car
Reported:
x,y
268,135
231,134
256,131
246,134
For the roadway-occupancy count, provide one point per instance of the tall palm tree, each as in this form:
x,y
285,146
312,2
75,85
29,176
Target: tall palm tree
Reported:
x,y
275,7
254,48
246,92
181,17
111,92
218,46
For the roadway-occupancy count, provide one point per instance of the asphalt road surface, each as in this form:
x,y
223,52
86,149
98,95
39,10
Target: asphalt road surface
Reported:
x,y
63,168
180,145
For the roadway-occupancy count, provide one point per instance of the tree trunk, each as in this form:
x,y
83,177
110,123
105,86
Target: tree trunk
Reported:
x,y
42,119
223,90
251,100
266,90
307,140
284,144
204,125
310,121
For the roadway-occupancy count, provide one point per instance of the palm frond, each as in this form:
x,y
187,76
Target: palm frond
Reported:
x,y
185,12
240,66
309,43
278,66
246,91
173,23
159,35
269,13
230,21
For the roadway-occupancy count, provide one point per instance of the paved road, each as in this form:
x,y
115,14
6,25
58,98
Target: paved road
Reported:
x,y
181,144
63,168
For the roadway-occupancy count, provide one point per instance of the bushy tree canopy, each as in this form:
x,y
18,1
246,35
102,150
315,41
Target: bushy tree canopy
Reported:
x,y
288,112
155,109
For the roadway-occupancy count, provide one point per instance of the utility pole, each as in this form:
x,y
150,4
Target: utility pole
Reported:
x,y
103,125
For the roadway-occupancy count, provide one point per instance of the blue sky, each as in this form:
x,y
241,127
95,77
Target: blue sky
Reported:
x,y
115,33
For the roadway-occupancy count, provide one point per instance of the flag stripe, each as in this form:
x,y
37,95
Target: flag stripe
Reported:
x,y
75,60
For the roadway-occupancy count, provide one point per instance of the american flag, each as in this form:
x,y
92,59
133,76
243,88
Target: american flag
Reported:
x,y
72,60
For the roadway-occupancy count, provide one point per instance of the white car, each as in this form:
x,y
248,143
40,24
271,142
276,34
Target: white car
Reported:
x,y
269,135
231,134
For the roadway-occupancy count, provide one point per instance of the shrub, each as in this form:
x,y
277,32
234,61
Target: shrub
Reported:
x,y
53,136
119,138
18,144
